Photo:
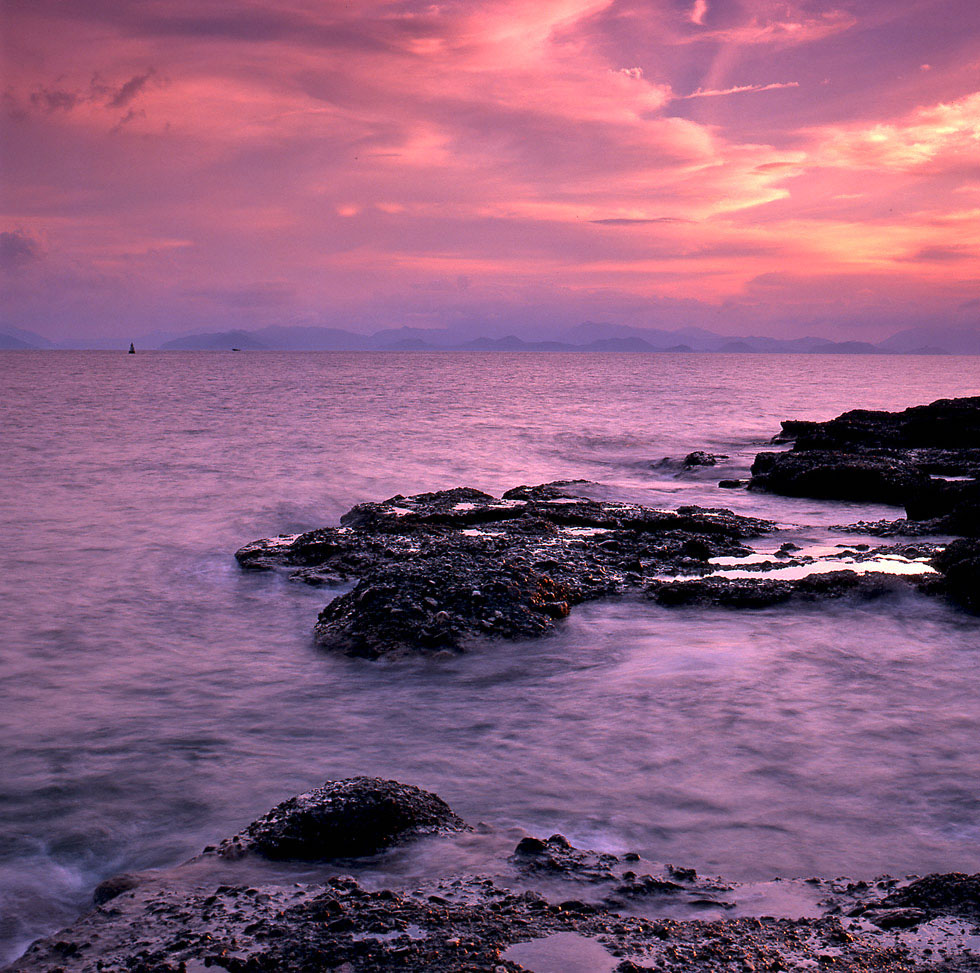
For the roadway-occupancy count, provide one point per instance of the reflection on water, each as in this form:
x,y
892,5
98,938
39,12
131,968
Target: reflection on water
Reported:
x,y
155,698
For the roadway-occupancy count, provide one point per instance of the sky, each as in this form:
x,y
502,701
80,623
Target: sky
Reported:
x,y
501,166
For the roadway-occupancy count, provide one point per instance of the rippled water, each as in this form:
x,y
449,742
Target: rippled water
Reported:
x,y
155,698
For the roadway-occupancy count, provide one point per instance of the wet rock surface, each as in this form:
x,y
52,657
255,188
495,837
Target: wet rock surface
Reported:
x,y
343,819
436,570
547,898
895,458
763,592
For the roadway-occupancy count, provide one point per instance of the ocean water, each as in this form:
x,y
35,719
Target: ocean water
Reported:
x,y
155,698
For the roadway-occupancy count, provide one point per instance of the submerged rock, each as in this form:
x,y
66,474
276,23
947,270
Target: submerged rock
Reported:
x,y
700,458
343,819
436,570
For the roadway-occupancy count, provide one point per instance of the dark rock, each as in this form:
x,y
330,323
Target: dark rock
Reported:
x,y
116,885
951,893
959,564
943,424
896,918
955,506
764,592
887,457
343,819
388,613
700,458
732,484
837,476
435,571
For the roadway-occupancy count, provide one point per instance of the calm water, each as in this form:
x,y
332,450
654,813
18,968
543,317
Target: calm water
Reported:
x,y
155,698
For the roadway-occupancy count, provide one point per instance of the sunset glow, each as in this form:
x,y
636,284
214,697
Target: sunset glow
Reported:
x,y
755,166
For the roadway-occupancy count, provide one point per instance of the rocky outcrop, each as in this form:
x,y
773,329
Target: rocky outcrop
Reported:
x,y
828,475
548,902
951,424
343,819
899,458
434,571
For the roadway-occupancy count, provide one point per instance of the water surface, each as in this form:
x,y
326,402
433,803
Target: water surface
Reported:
x,y
155,698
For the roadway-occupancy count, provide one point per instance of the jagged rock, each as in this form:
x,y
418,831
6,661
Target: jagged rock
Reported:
x,y
438,602
436,570
343,819
837,476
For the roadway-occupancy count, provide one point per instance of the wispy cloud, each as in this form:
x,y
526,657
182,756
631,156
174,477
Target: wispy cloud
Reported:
x,y
739,89
699,12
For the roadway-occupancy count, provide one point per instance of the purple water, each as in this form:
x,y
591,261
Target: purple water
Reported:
x,y
155,698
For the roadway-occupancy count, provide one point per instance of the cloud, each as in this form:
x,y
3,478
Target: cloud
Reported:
x,y
791,30
739,89
946,135
698,12
17,249
128,91
624,221
943,254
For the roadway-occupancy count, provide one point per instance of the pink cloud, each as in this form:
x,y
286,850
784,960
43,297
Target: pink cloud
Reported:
x,y
340,149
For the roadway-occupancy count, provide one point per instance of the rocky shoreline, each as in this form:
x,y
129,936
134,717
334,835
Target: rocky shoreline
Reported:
x,y
298,889
545,906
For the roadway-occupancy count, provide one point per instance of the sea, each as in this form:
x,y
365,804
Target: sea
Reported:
x,y
155,698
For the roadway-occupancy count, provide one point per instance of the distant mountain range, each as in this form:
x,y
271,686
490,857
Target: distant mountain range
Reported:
x,y
586,337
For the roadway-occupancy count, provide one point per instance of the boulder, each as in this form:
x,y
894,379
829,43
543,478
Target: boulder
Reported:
x,y
343,819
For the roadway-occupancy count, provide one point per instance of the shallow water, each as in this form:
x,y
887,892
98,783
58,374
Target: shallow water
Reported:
x,y
155,698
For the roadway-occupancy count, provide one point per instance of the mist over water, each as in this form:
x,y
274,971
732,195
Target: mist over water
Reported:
x,y
155,698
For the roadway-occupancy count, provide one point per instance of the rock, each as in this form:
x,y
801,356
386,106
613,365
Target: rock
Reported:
x,y
343,819
386,614
569,899
952,893
896,918
828,475
732,484
116,885
959,564
951,424
887,457
435,571
954,506
700,458
763,592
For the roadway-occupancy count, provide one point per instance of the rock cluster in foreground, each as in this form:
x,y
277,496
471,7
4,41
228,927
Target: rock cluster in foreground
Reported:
x,y
546,899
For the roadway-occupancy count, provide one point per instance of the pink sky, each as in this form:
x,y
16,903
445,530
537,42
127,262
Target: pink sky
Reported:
x,y
507,165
